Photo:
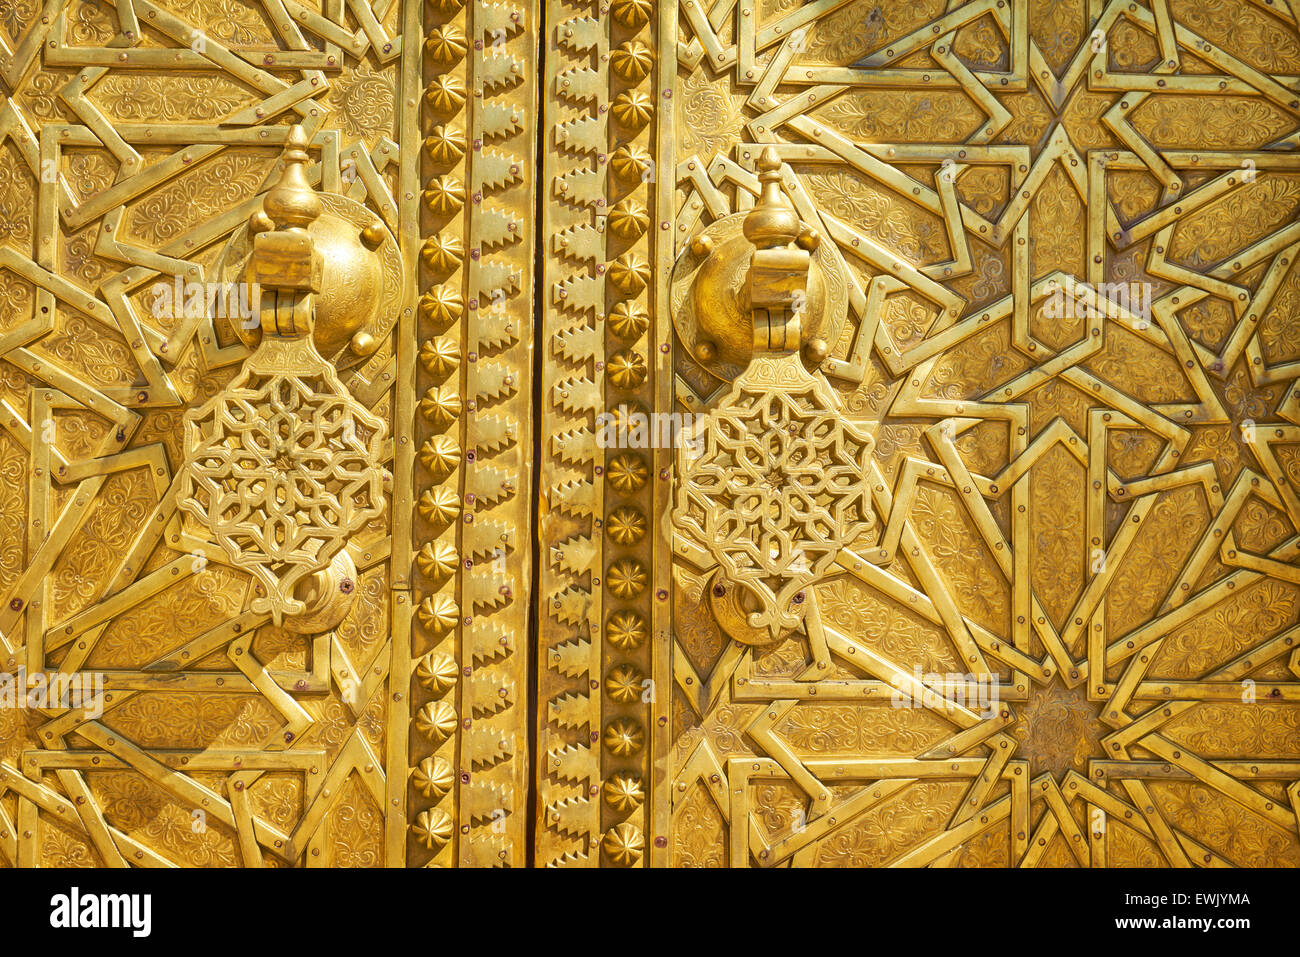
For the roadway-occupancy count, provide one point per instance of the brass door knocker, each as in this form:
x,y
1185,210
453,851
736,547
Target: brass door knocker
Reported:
x,y
772,481
284,465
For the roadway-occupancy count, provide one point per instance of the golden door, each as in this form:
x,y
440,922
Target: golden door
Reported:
x,y
641,433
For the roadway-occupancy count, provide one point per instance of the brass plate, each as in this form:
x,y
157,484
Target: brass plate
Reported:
x,y
138,139
1092,512
1090,505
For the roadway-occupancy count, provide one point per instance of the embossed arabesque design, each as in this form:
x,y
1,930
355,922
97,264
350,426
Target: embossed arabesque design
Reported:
x,y
1147,142
137,141
772,482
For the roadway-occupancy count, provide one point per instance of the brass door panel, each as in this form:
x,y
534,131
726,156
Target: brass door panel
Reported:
x,y
1046,255
288,662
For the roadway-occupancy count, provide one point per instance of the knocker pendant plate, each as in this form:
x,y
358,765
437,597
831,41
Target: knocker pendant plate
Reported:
x,y
772,484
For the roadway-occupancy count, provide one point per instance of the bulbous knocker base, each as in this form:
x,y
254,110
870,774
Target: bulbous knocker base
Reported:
x,y
361,281
713,315
759,282
284,465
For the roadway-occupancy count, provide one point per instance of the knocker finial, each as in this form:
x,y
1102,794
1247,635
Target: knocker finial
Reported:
x,y
772,222
291,202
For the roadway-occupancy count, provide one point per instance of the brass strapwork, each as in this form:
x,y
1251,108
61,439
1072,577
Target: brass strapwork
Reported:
x,y
282,466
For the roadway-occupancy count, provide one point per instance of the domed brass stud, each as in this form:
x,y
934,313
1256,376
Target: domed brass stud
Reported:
x,y
702,245
706,350
816,351
373,235
363,344
633,109
447,45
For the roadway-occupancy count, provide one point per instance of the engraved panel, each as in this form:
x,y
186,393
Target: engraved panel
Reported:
x,y
139,140
1070,234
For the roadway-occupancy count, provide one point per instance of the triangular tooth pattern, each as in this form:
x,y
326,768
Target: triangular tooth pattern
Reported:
x,y
577,344
575,815
576,763
498,22
500,119
573,659
496,170
579,34
577,556
582,134
573,711
487,746
580,293
581,243
483,642
487,590
575,447
489,484
491,433
571,607
584,186
495,278
577,395
500,70
487,540
486,800
576,498
497,228
491,381
489,693
492,328
581,85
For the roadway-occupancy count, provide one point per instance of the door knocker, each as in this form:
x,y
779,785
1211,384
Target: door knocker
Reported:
x,y
772,482
283,466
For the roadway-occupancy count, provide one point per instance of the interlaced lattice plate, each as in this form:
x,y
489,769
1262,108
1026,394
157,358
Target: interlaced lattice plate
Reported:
x,y
773,486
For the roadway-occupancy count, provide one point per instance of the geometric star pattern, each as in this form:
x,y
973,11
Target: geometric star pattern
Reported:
x,y
1092,508
278,472
136,140
1067,233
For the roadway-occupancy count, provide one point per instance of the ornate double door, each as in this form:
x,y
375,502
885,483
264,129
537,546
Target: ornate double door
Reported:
x,y
636,433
